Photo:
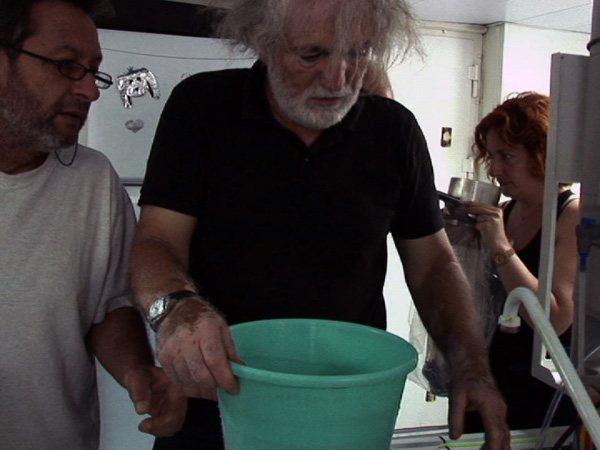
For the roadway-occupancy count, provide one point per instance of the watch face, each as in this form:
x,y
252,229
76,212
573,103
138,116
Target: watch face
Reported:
x,y
499,259
157,308
161,306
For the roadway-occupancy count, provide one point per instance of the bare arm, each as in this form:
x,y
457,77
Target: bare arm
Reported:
x,y
515,274
194,342
443,298
160,254
121,344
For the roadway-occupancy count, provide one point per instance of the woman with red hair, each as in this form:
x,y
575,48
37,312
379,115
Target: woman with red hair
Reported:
x,y
510,143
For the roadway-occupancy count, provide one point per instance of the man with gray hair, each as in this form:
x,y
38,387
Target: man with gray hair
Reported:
x,y
65,231
270,193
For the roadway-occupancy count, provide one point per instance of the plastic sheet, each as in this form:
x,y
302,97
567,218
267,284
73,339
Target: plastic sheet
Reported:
x,y
432,371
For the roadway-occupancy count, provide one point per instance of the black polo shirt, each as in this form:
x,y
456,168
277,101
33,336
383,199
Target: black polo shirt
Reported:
x,y
286,230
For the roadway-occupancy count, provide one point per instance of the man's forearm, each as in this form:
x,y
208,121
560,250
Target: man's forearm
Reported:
x,y
449,314
120,342
156,271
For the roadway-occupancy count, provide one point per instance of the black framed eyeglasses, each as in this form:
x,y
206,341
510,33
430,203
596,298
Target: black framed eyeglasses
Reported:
x,y
69,68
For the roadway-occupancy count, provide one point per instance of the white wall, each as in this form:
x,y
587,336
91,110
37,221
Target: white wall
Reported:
x,y
170,59
517,58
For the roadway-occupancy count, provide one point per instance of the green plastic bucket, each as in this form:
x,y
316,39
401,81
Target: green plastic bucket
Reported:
x,y
315,384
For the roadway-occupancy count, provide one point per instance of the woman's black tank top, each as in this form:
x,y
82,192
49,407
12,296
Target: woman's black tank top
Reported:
x,y
517,348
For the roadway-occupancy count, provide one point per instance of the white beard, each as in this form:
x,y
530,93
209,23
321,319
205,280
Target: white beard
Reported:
x,y
298,109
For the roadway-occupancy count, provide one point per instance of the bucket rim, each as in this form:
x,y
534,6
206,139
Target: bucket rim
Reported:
x,y
328,381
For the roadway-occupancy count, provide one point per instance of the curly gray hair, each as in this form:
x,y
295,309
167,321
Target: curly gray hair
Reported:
x,y
259,25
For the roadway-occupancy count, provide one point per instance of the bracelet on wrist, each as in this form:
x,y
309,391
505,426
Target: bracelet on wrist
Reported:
x,y
503,257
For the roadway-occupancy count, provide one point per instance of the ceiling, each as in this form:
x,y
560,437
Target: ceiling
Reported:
x,y
571,15
181,17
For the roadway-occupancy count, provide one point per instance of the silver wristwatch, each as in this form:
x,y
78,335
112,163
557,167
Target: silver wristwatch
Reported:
x,y
163,305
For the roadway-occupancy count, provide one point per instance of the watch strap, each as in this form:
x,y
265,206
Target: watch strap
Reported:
x,y
162,306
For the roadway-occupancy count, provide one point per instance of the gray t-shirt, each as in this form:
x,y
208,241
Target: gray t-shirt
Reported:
x,y
65,235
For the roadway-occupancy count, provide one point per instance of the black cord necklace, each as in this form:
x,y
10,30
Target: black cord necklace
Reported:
x,y
72,159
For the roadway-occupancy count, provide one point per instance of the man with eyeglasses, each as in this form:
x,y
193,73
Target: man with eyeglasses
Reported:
x,y
66,225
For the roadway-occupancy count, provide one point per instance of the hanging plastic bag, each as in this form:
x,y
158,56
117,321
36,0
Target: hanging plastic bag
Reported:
x,y
432,372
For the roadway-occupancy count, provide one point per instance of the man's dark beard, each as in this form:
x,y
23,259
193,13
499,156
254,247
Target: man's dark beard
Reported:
x,y
22,125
